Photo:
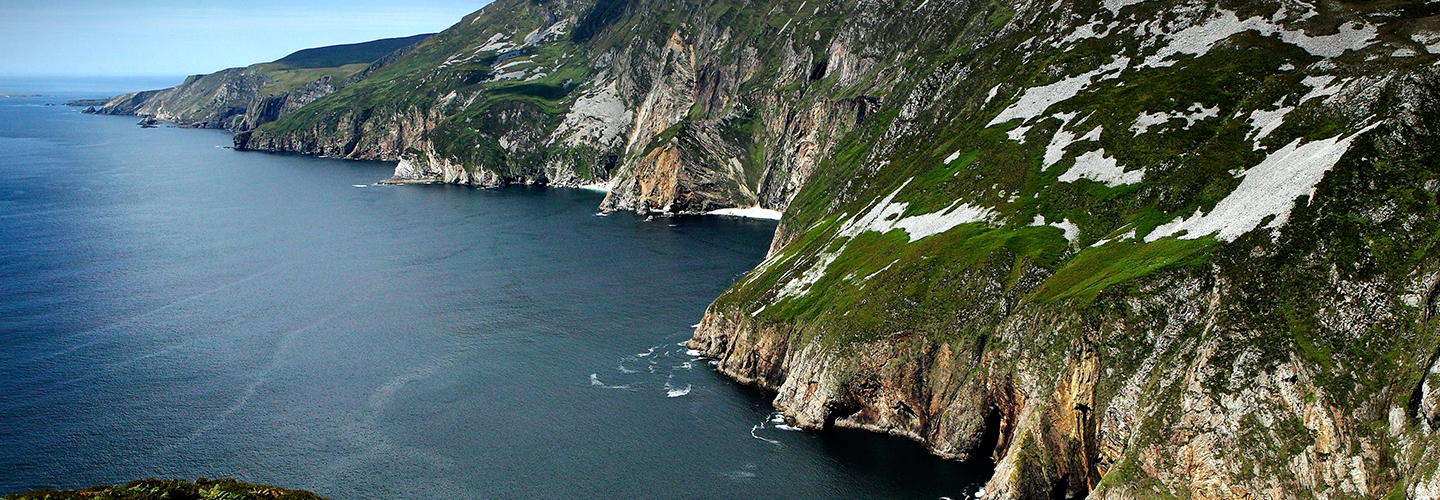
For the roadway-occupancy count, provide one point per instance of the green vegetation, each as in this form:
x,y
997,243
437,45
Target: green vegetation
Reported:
x,y
1095,269
281,79
335,56
171,489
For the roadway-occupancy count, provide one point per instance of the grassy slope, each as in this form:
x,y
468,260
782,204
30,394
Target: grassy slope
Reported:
x,y
336,61
953,287
335,56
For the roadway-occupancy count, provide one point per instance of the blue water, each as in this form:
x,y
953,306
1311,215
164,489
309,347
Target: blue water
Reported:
x,y
171,308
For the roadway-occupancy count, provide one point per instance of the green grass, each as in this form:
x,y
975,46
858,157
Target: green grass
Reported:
x,y
1096,269
335,56
285,79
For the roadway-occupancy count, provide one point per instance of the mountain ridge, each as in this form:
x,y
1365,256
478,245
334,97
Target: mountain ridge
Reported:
x,y
334,56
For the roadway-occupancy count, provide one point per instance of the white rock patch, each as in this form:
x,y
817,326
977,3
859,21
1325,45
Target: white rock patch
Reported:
x,y
883,217
1197,40
801,285
495,43
1097,167
1017,134
1265,122
1127,236
553,31
1430,39
598,118
921,226
512,64
1086,32
1197,112
1036,100
1114,6
1267,189
1055,151
1072,231
1353,36
1320,87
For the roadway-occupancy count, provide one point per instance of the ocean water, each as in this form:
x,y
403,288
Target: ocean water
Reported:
x,y
172,308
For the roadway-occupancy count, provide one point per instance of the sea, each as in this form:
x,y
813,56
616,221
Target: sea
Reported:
x,y
172,308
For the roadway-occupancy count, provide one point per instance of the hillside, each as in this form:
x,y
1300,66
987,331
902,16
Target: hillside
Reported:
x,y
244,98
1165,249
336,56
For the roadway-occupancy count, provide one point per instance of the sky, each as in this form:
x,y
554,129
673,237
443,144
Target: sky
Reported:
x,y
184,37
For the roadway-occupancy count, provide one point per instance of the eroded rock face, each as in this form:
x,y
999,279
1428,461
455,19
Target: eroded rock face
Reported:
x,y
1067,424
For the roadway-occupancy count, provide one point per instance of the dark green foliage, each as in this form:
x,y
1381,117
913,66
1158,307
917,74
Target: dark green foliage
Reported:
x,y
1095,269
335,56
542,91
601,15
171,489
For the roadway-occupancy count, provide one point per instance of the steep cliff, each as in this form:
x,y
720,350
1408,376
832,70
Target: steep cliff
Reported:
x,y
1162,248
1166,249
244,98
679,108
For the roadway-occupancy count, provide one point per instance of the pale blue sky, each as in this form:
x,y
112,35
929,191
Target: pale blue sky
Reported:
x,y
181,37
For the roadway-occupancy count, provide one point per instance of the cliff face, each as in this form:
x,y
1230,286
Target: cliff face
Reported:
x,y
678,110
1164,249
1160,248
244,98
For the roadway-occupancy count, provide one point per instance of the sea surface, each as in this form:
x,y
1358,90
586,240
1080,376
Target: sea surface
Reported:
x,y
173,308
